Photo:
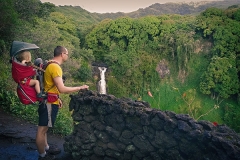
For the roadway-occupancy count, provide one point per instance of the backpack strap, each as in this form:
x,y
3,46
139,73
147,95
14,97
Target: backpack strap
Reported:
x,y
45,67
49,62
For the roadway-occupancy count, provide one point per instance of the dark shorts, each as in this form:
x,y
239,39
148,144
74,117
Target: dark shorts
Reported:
x,y
47,114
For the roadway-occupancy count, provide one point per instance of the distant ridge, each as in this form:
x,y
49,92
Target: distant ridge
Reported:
x,y
182,8
84,17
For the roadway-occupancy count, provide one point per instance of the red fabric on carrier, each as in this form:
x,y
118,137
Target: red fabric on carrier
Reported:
x,y
26,93
19,71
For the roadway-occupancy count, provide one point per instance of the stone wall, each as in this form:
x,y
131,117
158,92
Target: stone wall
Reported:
x,y
110,128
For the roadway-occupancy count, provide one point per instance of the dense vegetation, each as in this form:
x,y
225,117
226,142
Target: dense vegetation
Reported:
x,y
190,64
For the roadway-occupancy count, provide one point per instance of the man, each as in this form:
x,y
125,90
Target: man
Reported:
x,y
53,84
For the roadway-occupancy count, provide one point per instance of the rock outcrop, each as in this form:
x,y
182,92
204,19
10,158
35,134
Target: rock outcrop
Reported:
x,y
107,127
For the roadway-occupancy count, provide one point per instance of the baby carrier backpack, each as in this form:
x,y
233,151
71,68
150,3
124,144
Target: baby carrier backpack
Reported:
x,y
27,94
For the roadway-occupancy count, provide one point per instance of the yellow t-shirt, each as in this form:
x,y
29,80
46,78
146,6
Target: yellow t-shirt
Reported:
x,y
53,70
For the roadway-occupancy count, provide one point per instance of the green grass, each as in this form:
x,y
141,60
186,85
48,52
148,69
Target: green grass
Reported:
x,y
186,98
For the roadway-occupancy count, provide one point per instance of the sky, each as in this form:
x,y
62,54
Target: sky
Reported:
x,y
108,6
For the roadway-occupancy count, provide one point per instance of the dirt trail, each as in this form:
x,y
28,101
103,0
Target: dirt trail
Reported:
x,y
17,139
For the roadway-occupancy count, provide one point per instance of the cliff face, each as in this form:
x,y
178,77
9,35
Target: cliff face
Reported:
x,y
110,128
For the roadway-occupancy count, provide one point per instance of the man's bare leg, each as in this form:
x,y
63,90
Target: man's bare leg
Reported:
x,y
46,142
41,139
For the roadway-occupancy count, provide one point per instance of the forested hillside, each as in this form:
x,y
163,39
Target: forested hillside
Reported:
x,y
187,64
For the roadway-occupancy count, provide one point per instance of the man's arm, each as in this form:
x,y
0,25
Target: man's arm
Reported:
x,y
63,89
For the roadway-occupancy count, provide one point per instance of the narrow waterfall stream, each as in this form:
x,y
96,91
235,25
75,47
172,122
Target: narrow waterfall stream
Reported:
x,y
102,82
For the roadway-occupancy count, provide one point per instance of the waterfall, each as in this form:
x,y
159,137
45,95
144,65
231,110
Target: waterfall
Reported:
x,y
102,82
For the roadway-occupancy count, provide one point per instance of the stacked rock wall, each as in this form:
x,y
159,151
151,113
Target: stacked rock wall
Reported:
x,y
110,128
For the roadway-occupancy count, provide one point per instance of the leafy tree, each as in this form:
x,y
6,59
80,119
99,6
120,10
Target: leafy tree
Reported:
x,y
84,72
236,15
212,12
98,40
45,34
150,25
8,20
46,9
209,20
220,78
222,74
63,23
29,9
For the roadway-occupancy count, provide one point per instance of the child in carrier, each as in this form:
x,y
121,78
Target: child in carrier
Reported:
x,y
24,57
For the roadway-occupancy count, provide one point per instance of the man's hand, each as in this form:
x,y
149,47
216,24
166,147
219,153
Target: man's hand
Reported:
x,y
83,87
60,103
